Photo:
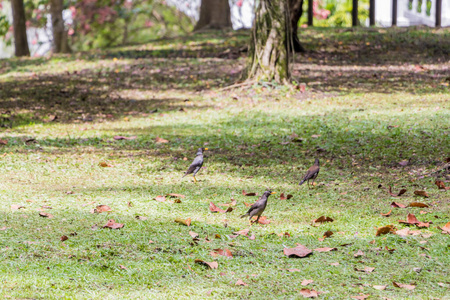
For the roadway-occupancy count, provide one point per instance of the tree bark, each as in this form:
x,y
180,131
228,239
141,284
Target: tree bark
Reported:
x,y
271,44
296,11
214,14
60,41
20,29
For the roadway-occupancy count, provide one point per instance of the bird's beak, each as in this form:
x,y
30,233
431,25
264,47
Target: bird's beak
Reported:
x,y
273,193
206,148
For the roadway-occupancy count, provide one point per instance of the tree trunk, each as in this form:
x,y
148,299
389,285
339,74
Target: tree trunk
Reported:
x,y
270,48
20,29
60,42
296,11
214,14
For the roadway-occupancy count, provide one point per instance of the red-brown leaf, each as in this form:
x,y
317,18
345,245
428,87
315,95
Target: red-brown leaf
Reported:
x,y
186,222
160,198
16,207
387,214
161,140
240,282
404,286
193,234
212,265
421,193
173,195
411,219
440,184
306,282
399,205
3,142
105,164
402,191
385,230
361,297
102,208
224,252
417,204
359,253
325,249
45,215
213,208
307,293
446,228
262,220
64,238
248,204
299,251
113,225
323,219
248,194
242,232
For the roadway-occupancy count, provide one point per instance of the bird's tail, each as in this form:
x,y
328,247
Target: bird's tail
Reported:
x,y
243,216
301,182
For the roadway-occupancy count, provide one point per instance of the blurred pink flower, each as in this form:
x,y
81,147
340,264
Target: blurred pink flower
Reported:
x,y
148,23
34,42
239,3
71,31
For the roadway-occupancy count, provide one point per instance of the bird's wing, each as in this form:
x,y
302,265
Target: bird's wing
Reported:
x,y
258,204
198,162
311,172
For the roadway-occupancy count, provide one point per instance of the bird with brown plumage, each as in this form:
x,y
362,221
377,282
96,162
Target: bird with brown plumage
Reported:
x,y
311,173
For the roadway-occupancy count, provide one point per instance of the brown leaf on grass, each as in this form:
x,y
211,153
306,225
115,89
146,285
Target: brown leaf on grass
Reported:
x,y
285,234
193,234
306,282
161,140
243,232
3,142
240,282
213,208
385,230
252,237
45,215
421,193
212,265
379,287
412,220
232,203
368,269
402,191
358,254
299,251
120,137
361,297
113,225
16,207
404,286
122,267
287,197
262,220
402,232
248,194
223,252
186,222
307,293
248,204
102,208
334,264
404,163
445,229
440,184
294,270
417,204
130,204
323,219
387,214
160,198
3,228
399,205
173,195
141,218
105,165
325,249
64,238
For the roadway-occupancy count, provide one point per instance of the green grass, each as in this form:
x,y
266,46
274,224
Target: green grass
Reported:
x,y
370,110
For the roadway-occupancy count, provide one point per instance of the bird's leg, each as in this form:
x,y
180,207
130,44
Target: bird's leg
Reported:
x,y
309,187
257,219
195,180
250,222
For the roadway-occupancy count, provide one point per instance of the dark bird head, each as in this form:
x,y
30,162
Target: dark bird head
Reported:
x,y
268,192
316,162
200,151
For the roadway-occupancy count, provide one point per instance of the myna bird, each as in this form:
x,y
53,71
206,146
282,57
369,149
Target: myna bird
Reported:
x,y
311,173
258,207
196,164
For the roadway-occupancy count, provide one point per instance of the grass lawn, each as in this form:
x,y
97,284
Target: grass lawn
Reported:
x,y
373,98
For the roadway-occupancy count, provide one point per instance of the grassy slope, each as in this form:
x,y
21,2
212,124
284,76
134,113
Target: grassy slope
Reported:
x,y
367,97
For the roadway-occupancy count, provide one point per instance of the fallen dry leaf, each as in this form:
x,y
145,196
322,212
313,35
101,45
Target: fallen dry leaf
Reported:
x,y
421,193
294,270
45,215
102,208
403,232
385,230
307,293
122,267
160,198
440,184
248,194
213,208
232,203
358,254
16,207
361,297
399,205
248,204
404,286
325,249
3,142
404,163
212,265
243,232
379,287
173,195
283,197
417,204
306,282
402,191
327,234
120,137
323,219
446,228
387,214
104,165
186,222
240,282
368,269
412,220
223,252
262,220
3,228
64,238
334,264
141,218
161,140
113,225
299,251
130,204
193,234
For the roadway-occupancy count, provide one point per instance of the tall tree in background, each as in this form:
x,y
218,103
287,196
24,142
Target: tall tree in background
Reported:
x,y
271,45
214,14
60,43
20,30
296,11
